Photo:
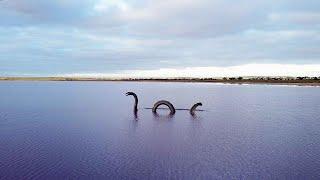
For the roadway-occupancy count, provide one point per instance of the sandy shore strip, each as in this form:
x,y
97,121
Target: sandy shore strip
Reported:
x,y
305,82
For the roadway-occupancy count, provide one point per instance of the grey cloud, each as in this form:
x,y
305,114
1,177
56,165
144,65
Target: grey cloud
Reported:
x,y
296,18
54,37
184,19
160,18
167,18
33,12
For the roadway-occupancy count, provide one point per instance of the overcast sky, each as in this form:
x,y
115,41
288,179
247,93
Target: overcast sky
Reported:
x,y
163,37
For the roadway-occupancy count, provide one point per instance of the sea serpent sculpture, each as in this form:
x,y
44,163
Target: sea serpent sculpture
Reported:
x,y
162,102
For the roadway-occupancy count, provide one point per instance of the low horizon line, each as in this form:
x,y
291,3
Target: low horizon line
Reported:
x,y
151,78
245,70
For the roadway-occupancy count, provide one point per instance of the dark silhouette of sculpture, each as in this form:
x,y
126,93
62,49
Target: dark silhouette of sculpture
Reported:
x,y
163,102
135,107
194,107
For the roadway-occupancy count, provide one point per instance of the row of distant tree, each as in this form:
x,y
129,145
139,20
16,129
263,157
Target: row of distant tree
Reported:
x,y
273,78
235,78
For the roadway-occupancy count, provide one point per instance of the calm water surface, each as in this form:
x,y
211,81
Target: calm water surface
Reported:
x,y
83,130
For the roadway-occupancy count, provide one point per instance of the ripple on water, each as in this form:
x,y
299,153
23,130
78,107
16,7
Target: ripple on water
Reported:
x,y
89,132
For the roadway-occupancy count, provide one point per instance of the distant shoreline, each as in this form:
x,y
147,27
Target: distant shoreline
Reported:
x,y
303,82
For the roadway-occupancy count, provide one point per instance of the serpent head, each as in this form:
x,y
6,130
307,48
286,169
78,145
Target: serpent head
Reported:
x,y
130,94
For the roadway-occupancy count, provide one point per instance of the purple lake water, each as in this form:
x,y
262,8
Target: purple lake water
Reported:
x,y
87,130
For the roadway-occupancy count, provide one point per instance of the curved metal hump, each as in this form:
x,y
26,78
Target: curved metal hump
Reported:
x,y
163,102
194,107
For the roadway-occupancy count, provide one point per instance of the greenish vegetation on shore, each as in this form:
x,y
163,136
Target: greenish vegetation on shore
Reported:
x,y
315,81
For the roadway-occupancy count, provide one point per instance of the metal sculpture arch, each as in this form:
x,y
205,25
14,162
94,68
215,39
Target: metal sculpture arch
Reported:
x,y
194,107
166,103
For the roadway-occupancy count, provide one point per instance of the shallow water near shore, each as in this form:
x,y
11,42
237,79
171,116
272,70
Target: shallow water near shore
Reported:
x,y
81,130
